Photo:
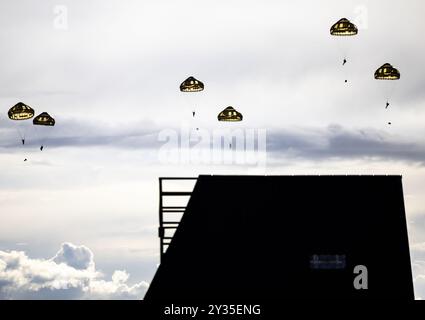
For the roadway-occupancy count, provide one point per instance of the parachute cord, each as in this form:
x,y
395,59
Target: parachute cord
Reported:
x,y
39,135
391,90
19,133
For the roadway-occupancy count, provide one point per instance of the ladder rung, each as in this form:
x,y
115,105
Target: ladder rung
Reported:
x,y
173,211
170,222
171,208
176,193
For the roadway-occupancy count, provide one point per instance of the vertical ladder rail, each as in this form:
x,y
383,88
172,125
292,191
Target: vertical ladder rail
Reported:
x,y
161,221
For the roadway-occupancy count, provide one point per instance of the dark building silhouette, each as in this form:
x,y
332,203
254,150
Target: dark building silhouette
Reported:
x,y
275,237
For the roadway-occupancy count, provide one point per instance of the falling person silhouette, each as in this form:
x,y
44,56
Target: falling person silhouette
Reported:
x,y
193,114
41,148
387,105
23,141
344,62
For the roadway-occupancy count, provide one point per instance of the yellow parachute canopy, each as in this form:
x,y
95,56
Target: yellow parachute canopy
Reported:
x,y
43,119
21,111
191,85
387,72
343,28
230,114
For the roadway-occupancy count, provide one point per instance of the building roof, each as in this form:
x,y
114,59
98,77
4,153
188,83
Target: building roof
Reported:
x,y
272,237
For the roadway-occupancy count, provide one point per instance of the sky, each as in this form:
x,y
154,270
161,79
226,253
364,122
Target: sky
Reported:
x,y
79,219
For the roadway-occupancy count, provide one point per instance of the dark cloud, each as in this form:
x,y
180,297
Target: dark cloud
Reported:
x,y
335,142
74,133
309,143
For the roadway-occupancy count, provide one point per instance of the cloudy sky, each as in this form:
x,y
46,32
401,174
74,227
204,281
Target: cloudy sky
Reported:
x,y
79,219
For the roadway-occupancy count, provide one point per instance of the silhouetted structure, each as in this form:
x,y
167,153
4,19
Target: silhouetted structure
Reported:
x,y
273,237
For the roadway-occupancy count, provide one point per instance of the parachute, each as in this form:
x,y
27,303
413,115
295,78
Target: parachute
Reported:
x,y
44,120
343,29
230,114
191,85
387,72
20,112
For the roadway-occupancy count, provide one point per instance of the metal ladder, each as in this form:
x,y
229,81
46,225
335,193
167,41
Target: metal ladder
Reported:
x,y
164,224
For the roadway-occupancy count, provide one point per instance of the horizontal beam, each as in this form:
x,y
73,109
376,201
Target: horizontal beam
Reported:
x,y
176,193
177,178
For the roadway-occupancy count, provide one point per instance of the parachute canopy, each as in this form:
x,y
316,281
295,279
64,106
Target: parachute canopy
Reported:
x,y
20,111
230,114
387,72
343,28
191,85
43,119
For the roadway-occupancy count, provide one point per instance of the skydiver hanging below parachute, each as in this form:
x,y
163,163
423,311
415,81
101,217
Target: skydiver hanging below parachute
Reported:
x,y
192,85
387,72
21,112
230,115
45,120
343,28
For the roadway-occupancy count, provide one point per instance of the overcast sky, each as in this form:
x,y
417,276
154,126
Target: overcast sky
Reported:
x,y
109,73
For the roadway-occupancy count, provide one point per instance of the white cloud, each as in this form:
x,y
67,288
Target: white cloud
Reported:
x,y
70,274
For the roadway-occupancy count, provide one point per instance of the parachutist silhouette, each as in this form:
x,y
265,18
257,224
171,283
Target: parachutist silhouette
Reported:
x,y
41,148
344,61
193,114
25,159
345,80
389,123
386,106
23,141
